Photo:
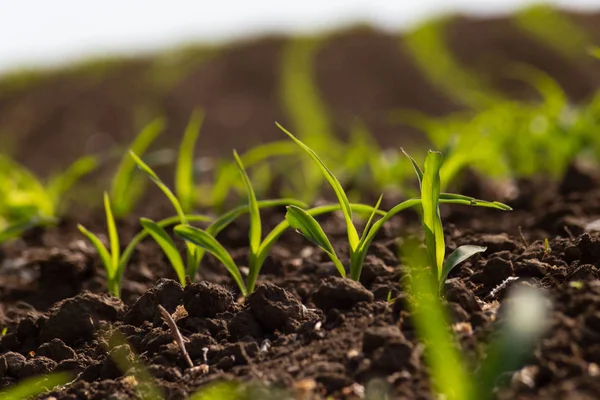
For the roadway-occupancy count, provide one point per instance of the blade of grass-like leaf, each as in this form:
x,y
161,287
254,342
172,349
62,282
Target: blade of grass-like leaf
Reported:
x,y
432,224
305,224
34,386
172,198
451,198
459,255
415,166
120,183
184,176
100,248
370,220
143,234
337,188
167,245
203,239
255,225
113,236
447,368
272,236
220,223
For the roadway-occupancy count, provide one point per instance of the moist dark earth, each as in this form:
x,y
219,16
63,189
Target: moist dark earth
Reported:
x,y
304,329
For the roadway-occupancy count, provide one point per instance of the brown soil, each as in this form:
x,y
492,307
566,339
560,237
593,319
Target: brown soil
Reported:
x,y
304,329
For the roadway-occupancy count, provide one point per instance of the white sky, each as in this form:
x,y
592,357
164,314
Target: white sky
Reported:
x,y
50,32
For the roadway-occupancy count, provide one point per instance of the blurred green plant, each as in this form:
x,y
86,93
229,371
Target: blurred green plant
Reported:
x,y
34,386
555,29
427,46
431,196
28,202
517,333
127,187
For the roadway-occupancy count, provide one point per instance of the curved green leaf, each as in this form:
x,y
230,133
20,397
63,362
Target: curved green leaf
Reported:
x,y
113,236
167,245
415,166
305,224
203,239
337,188
432,223
255,225
119,190
459,255
100,248
164,188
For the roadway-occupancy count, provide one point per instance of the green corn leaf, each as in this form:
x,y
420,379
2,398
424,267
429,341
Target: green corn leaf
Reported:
x,y
101,249
121,182
415,166
432,223
337,188
458,256
272,236
203,239
255,225
184,174
167,245
371,217
224,220
447,368
34,386
113,236
450,198
308,226
164,188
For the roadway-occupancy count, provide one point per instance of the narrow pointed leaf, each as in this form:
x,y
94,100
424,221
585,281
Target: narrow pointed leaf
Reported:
x,y
203,239
432,223
164,188
184,173
451,198
120,187
167,245
113,236
272,236
415,166
255,225
371,217
337,188
459,255
100,248
308,226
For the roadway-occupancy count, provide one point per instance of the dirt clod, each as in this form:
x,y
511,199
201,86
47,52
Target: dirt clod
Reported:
x,y
340,293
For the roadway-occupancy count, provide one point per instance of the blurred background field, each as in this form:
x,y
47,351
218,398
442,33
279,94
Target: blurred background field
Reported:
x,y
477,76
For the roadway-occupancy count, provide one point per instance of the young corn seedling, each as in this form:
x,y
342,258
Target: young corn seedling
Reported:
x,y
429,183
161,236
525,321
258,249
215,227
358,246
109,259
194,254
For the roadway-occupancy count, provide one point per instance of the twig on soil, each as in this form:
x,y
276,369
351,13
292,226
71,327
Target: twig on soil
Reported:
x,y
176,334
523,237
